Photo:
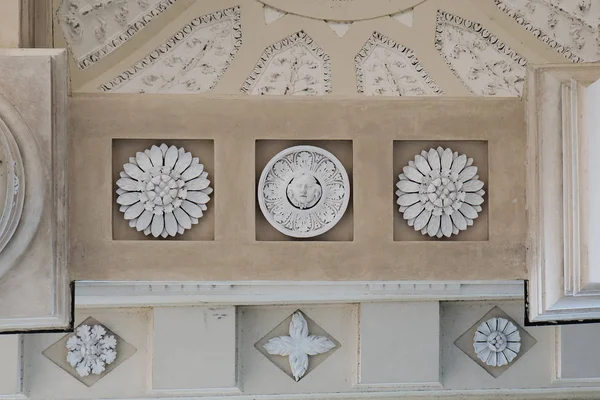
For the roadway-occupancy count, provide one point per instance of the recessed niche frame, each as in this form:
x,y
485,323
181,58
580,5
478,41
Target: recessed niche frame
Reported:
x,y
123,149
265,150
405,151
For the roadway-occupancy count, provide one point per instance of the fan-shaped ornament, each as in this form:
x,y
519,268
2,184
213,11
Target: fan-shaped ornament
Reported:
x,y
303,191
439,193
163,191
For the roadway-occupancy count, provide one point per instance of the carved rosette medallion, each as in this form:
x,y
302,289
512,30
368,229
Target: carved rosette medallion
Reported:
x,y
12,184
91,349
439,193
497,342
303,191
163,191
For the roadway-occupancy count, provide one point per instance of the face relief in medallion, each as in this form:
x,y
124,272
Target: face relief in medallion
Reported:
x,y
303,191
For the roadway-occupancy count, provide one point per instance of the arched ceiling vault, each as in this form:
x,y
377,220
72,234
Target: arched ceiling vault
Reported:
x,y
320,47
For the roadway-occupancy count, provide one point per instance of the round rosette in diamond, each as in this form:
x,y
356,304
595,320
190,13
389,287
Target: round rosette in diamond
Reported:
x,y
439,193
163,191
303,191
497,342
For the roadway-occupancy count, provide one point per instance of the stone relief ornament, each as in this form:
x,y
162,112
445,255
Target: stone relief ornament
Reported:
x,y
95,28
384,67
479,59
193,60
303,191
299,345
497,342
295,65
91,350
439,193
12,185
569,27
163,191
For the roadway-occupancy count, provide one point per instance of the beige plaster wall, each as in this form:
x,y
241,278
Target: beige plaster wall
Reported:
x,y
235,124
10,23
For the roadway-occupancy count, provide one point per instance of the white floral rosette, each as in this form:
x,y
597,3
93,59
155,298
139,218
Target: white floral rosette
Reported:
x,y
91,350
497,342
163,191
439,193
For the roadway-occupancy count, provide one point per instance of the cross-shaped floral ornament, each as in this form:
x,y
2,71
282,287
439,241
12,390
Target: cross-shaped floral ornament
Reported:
x,y
299,345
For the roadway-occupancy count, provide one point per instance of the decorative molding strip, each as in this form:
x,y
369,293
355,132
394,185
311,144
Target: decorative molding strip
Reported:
x,y
286,78
556,25
133,27
403,73
482,62
557,193
578,393
144,293
185,35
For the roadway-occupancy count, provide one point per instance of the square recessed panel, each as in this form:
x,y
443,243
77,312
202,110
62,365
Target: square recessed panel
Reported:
x,y
405,151
342,150
465,342
123,149
57,353
283,329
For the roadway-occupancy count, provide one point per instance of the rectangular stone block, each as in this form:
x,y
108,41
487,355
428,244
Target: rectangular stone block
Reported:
x,y
194,348
579,358
34,281
400,344
10,364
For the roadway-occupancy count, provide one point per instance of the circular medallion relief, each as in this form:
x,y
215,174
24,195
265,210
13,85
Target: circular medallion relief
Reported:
x,y
12,185
303,191
163,191
439,193
342,10
497,342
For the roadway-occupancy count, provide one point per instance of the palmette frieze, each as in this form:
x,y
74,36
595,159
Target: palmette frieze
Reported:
x,y
568,27
95,28
384,67
193,60
295,65
484,64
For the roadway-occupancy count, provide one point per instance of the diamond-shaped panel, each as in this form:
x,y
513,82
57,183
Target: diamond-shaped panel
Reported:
x,y
57,353
465,342
283,329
